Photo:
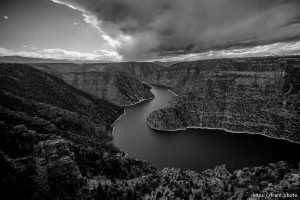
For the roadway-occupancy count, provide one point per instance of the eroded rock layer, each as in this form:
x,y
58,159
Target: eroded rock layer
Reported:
x,y
114,86
254,95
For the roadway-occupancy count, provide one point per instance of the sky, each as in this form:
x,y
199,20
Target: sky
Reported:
x,y
148,30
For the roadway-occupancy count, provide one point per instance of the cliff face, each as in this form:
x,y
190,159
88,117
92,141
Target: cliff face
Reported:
x,y
114,86
56,69
118,83
255,95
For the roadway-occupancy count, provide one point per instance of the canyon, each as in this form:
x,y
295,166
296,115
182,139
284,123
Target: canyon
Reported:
x,y
56,126
242,95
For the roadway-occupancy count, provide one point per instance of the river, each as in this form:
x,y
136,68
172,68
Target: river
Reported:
x,y
194,149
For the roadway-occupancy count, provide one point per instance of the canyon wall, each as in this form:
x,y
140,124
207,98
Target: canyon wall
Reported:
x,y
114,86
253,95
118,83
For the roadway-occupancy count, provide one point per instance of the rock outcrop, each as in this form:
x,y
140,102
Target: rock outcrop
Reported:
x,y
219,183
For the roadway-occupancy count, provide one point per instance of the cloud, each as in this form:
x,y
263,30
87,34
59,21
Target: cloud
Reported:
x,y
5,17
282,48
89,18
277,49
61,54
141,29
74,7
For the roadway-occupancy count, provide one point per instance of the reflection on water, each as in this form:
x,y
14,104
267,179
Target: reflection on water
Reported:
x,y
194,149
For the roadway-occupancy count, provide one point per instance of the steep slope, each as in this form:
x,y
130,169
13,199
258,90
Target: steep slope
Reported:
x,y
118,83
56,69
139,69
254,95
144,71
114,86
55,139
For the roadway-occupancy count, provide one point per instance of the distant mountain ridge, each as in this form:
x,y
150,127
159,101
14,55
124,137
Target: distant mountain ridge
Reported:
x,y
21,59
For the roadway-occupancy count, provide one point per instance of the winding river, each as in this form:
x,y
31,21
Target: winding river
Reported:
x,y
194,149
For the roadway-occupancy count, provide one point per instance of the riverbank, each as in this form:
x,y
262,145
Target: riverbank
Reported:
x,y
166,87
133,104
143,100
140,101
124,111
222,129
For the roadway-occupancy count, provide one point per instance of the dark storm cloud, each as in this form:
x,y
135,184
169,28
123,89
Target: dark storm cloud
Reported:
x,y
164,27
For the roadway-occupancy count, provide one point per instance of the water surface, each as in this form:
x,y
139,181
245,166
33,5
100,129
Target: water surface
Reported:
x,y
194,149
